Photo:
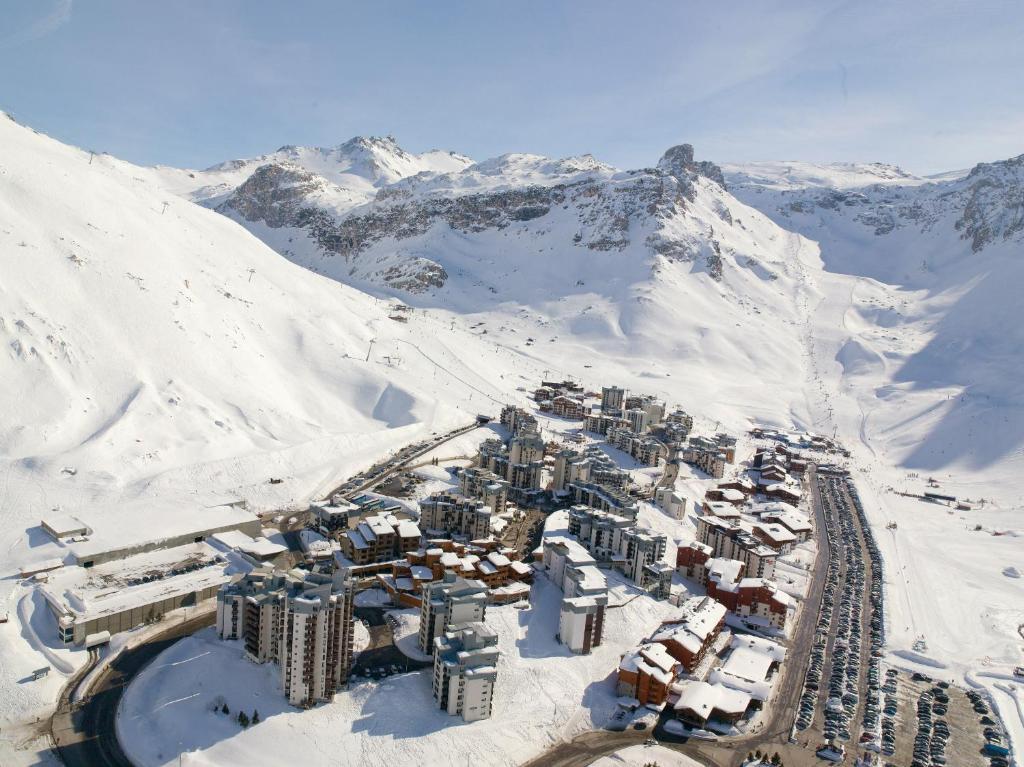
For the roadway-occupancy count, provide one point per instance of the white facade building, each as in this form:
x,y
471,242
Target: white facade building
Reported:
x,y
465,671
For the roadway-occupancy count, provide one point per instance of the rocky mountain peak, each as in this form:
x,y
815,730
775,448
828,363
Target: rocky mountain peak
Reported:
x,y
678,161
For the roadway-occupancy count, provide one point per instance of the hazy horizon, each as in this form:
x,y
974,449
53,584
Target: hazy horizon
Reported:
x,y
927,86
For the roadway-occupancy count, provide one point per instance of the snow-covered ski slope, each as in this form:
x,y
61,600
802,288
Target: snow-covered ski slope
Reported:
x,y
152,346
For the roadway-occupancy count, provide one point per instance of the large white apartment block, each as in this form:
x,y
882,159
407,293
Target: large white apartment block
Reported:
x,y
449,602
638,419
643,548
600,532
585,593
526,447
581,622
605,498
585,466
731,541
671,501
520,463
616,539
481,483
303,624
465,670
515,419
612,399
455,515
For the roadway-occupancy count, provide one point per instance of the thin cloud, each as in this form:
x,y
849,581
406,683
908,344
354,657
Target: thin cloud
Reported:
x,y
41,27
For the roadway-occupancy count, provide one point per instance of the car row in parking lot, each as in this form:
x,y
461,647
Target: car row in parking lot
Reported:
x,y
380,470
876,615
848,577
995,748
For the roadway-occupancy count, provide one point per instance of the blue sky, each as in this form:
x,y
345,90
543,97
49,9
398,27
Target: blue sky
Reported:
x,y
931,86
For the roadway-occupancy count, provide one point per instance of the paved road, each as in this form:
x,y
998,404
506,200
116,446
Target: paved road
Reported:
x,y
399,462
85,736
381,655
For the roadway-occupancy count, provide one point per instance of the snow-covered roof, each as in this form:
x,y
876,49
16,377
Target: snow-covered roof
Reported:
x,y
724,571
64,524
704,699
521,568
700,617
751,657
408,529
652,659
356,538
118,527
776,532
498,560
258,547
116,586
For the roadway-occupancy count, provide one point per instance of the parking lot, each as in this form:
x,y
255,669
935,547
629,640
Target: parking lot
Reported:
x,y
841,693
936,723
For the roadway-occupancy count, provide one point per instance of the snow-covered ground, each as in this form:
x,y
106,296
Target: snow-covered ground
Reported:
x,y
544,694
156,350
643,755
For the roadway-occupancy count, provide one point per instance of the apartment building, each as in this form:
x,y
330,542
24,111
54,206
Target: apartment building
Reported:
x,y
465,670
680,418
332,517
775,535
600,422
479,482
616,539
588,465
605,498
455,515
641,553
689,637
612,399
304,624
647,450
585,593
571,407
448,602
756,598
521,463
731,541
507,579
600,532
646,673
379,538
515,419
671,502
797,524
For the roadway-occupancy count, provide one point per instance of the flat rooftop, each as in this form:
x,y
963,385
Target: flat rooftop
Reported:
x,y
113,587
139,523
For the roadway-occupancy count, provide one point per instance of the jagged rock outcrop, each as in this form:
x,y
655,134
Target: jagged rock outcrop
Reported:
x,y
608,210
274,194
678,161
994,207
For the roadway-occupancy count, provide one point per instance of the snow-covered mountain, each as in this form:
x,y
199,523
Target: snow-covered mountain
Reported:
x,y
155,345
150,339
144,335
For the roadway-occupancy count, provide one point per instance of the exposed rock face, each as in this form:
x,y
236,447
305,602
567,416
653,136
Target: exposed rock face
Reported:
x,y
274,194
678,161
994,207
609,210
985,207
